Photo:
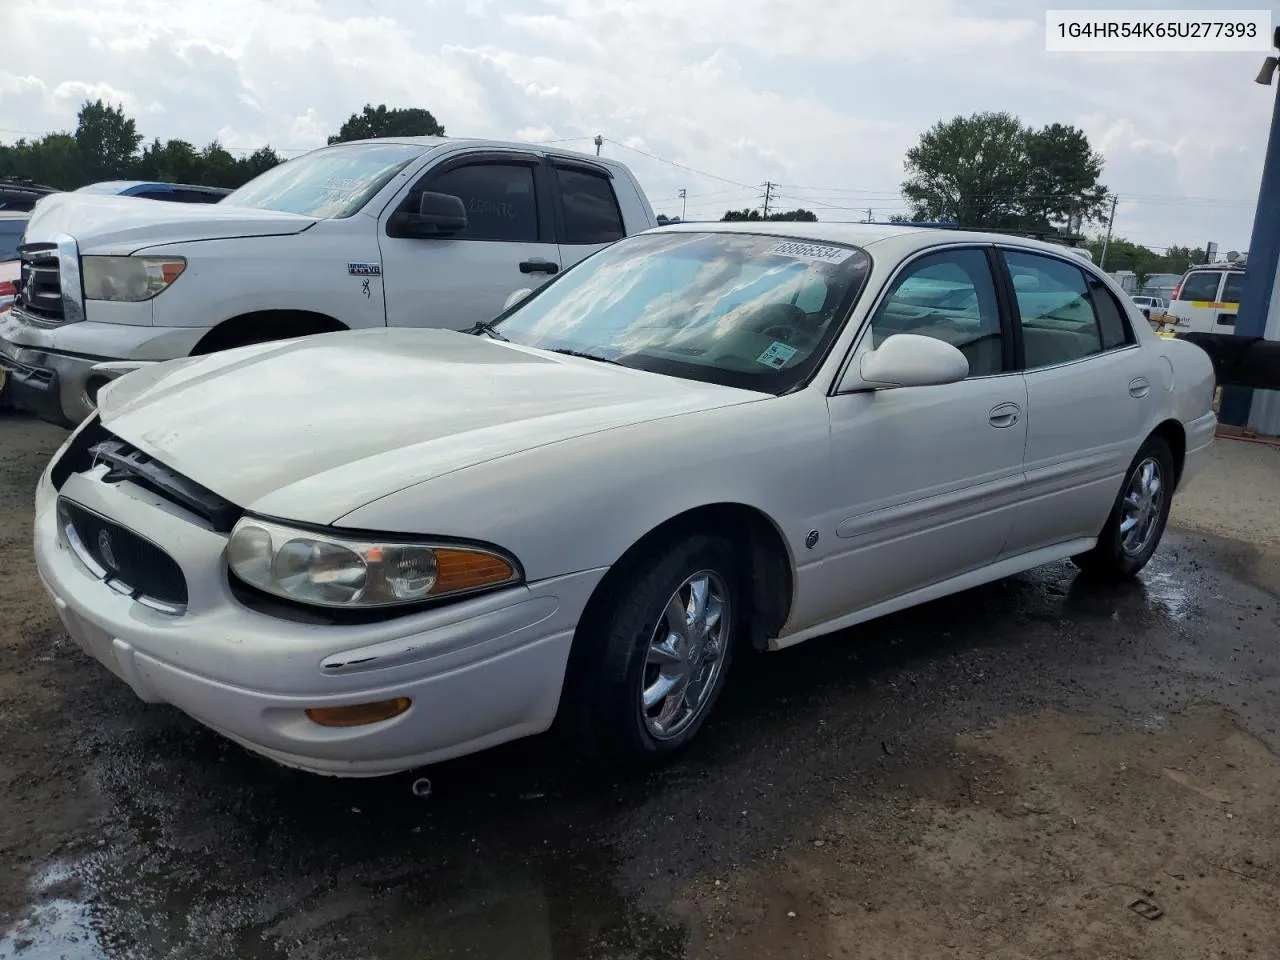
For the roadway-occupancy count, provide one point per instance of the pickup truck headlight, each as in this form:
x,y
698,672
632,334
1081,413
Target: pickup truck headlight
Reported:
x,y
129,279
338,571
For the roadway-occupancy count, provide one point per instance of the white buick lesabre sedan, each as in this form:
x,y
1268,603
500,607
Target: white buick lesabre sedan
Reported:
x,y
358,553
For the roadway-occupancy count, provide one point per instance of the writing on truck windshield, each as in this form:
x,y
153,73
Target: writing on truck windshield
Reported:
x,y
328,184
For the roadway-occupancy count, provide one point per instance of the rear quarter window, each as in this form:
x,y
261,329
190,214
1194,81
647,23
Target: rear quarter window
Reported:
x,y
1232,289
1202,285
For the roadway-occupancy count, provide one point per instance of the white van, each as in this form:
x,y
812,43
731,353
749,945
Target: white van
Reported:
x,y
1207,298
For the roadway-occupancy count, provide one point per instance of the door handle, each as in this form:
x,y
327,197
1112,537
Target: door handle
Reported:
x,y
538,265
1004,415
1139,387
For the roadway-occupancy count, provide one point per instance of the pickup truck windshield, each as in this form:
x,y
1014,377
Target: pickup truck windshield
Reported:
x,y
329,184
742,310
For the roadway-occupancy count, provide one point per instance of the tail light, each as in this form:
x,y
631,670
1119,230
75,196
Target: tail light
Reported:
x,y
8,292
1176,292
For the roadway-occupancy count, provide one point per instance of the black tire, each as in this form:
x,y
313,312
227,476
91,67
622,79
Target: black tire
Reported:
x,y
1112,559
603,697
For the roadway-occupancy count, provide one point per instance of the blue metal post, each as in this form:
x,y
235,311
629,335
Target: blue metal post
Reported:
x,y
1260,270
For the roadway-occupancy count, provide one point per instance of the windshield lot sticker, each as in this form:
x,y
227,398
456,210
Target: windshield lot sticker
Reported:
x,y
811,251
776,355
364,269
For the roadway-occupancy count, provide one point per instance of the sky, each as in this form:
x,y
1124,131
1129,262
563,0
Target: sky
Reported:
x,y
714,97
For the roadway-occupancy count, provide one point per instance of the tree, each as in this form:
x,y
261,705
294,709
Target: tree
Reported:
x,y
53,160
381,122
989,170
108,141
258,162
105,147
793,215
1143,261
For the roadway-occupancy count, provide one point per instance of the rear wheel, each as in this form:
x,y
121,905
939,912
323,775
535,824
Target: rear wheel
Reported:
x,y
1138,519
657,649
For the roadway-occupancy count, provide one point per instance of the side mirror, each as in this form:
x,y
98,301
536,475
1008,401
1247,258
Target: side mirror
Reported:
x,y
438,215
1025,281
516,297
906,360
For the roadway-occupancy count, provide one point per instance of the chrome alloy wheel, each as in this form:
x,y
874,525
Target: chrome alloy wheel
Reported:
x,y
1142,507
686,655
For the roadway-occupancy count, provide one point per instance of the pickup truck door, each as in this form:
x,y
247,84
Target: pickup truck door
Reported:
x,y
509,242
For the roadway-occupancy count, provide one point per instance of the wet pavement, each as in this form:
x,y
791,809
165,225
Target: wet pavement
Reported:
x,y
1006,768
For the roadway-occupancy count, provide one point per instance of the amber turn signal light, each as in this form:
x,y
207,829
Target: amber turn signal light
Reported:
x,y
358,714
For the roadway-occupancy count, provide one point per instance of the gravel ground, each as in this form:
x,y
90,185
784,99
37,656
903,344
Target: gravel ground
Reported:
x,y
1000,774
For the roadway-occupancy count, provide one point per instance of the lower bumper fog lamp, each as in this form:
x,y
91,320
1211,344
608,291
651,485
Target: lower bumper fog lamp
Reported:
x,y
358,714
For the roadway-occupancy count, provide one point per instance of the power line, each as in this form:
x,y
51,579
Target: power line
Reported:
x,y
701,173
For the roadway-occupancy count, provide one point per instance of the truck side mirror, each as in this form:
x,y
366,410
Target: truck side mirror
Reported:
x,y
437,215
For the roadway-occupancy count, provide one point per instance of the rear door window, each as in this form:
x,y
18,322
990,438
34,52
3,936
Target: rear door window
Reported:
x,y
591,213
1201,285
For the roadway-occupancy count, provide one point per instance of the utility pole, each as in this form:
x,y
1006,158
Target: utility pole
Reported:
x,y
768,193
599,142
1111,222
868,214
684,201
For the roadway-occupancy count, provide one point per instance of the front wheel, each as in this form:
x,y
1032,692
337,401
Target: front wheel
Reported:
x,y
656,650
1138,519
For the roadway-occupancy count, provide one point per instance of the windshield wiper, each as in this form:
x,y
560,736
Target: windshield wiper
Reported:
x,y
585,356
489,328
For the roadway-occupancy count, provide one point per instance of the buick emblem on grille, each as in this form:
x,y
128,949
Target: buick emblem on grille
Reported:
x,y
104,550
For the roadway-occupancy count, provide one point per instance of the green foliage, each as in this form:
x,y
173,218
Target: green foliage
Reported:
x,y
381,122
105,147
1125,255
807,216
107,139
990,170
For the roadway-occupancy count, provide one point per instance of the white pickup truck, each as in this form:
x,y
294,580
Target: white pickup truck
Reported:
x,y
413,231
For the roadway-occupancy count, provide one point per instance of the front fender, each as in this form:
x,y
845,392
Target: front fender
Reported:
x,y
580,504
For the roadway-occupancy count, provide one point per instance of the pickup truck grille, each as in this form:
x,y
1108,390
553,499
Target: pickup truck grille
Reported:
x,y
39,284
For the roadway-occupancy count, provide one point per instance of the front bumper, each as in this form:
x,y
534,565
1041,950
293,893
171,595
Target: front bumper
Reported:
x,y
50,370
479,672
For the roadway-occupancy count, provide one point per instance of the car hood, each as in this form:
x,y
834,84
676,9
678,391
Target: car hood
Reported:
x,y
122,225
313,428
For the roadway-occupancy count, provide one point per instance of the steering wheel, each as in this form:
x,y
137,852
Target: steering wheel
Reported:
x,y
780,321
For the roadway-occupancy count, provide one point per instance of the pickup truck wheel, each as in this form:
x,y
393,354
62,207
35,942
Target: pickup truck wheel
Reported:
x,y
659,652
1138,518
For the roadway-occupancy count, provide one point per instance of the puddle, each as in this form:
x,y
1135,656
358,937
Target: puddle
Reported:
x,y
1165,586
223,856
59,927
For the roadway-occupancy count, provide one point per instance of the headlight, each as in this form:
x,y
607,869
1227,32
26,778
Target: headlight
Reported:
x,y
335,571
129,279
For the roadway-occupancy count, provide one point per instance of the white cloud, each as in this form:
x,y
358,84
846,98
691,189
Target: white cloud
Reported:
x,y
822,98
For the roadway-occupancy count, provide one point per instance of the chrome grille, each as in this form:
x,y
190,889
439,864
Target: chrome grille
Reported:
x,y
49,289
39,287
130,564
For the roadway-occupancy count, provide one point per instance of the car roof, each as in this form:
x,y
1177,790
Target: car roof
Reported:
x,y
115,186
902,236
433,143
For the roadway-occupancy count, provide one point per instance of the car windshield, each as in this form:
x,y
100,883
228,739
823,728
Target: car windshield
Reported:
x,y
742,310
329,184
